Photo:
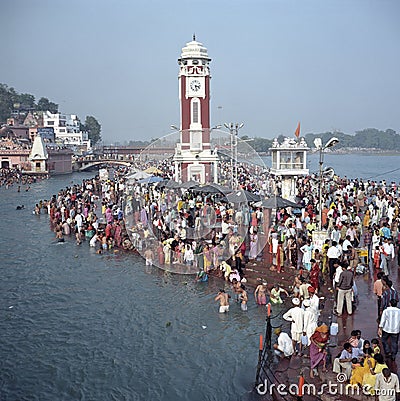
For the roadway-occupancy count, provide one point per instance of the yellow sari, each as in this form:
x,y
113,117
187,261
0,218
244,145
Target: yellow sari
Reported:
x,y
370,379
358,373
366,219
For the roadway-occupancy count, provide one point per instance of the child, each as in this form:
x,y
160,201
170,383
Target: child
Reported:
x,y
376,349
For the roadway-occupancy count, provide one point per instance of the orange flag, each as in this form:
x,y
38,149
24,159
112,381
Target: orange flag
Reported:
x,y
297,132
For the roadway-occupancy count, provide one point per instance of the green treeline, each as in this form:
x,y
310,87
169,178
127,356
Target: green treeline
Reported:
x,y
369,138
11,101
19,104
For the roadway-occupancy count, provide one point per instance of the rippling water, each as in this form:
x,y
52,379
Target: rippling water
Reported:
x,y
76,325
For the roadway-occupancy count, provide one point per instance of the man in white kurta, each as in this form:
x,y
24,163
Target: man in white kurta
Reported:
x,y
310,320
296,316
314,302
283,347
387,385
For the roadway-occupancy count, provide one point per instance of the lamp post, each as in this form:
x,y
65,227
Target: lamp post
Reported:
x,y
233,130
318,144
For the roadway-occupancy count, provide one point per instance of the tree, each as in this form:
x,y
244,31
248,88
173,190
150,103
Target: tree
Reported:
x,y
93,128
26,101
6,102
44,104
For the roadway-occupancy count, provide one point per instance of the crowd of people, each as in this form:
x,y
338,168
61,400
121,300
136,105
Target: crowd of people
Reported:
x,y
202,231
10,177
90,212
358,216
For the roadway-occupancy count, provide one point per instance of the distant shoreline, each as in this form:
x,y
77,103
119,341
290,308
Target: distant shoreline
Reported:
x,y
365,152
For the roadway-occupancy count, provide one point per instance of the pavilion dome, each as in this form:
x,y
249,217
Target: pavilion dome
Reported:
x,y
194,49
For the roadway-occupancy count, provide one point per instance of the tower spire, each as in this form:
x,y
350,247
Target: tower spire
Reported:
x,y
194,36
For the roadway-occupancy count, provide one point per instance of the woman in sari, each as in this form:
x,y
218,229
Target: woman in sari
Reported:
x,y
369,378
314,274
280,257
367,218
292,252
207,258
253,246
318,349
357,374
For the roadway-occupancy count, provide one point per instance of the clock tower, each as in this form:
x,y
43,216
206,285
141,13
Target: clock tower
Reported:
x,y
194,159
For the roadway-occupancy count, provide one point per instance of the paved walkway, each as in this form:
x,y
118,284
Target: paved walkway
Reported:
x,y
363,318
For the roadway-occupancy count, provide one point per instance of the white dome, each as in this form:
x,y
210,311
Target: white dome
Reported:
x,y
194,49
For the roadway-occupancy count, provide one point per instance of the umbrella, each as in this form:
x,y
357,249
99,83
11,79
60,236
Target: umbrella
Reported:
x,y
131,174
189,184
150,180
140,175
252,197
213,189
242,196
153,170
171,184
277,202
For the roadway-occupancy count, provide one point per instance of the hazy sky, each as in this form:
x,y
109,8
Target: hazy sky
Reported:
x,y
330,64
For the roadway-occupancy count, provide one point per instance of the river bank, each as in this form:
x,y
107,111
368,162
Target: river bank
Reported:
x,y
74,299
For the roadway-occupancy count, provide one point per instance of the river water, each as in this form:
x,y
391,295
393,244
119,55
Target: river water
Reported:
x,y
366,166
76,325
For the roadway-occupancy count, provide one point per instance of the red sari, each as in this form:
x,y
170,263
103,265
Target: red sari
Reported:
x,y
314,275
317,352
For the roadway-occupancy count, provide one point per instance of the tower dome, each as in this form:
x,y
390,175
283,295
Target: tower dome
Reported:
x,y
194,50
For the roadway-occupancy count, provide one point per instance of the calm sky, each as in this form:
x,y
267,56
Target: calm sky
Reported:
x,y
330,64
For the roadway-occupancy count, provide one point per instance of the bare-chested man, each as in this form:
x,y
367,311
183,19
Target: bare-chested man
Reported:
x,y
260,294
223,299
243,298
149,256
236,285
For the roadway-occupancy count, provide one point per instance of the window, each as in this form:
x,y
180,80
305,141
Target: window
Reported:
x,y
286,160
196,140
195,116
298,160
195,107
274,159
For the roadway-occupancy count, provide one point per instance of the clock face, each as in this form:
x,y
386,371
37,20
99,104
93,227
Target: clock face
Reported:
x,y
195,85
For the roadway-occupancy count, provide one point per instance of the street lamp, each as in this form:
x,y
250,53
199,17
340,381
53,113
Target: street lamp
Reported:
x,y
234,129
174,127
318,144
